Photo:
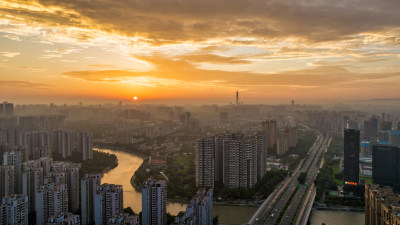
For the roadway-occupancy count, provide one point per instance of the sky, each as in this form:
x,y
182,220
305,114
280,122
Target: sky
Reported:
x,y
199,50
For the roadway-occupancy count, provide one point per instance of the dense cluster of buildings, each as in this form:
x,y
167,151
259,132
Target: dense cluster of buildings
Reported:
x,y
382,199
54,193
240,160
382,206
198,210
154,205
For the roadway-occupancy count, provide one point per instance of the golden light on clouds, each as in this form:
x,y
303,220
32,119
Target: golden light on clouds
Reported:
x,y
199,49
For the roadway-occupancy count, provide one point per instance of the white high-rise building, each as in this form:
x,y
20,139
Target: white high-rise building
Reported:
x,y
236,160
199,209
72,177
63,142
14,159
154,202
109,202
14,210
85,145
89,185
32,180
51,200
7,181
205,162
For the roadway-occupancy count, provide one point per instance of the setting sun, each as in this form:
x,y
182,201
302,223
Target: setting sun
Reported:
x,y
135,98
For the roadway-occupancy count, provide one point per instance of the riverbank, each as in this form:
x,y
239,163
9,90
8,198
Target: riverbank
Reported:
x,y
122,147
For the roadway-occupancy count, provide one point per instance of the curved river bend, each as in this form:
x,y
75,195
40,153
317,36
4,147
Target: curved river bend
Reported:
x,y
128,163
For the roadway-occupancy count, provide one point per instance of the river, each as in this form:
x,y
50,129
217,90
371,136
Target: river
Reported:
x,y
128,163
337,217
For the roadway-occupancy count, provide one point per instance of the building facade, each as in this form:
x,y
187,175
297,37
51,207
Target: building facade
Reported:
x,y
154,202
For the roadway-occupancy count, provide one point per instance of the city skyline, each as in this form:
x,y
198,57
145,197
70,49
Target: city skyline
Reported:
x,y
100,51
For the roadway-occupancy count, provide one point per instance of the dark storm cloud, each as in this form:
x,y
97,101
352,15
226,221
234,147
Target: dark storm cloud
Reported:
x,y
173,20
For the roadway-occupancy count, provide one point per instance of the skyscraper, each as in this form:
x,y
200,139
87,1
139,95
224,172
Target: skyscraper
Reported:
x,y
14,210
6,109
262,146
231,150
247,162
7,181
269,129
154,202
32,180
85,145
63,142
385,165
371,128
199,209
108,203
72,177
205,162
351,157
14,159
237,98
90,183
51,200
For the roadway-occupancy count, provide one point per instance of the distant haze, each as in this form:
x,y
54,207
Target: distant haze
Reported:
x,y
199,50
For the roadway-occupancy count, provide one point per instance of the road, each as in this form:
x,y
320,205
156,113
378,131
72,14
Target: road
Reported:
x,y
278,202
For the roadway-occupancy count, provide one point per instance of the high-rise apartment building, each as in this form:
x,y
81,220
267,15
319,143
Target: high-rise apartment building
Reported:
x,y
205,162
247,162
6,109
236,160
269,128
154,202
14,159
382,206
231,150
371,128
32,180
262,147
351,157
198,210
14,210
51,200
72,178
282,141
7,181
108,203
63,142
85,145
90,183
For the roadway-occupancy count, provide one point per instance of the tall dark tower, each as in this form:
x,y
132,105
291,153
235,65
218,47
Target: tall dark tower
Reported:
x,y
385,169
351,157
237,98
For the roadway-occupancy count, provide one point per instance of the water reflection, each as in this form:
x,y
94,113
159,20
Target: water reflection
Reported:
x,y
337,217
233,214
127,165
